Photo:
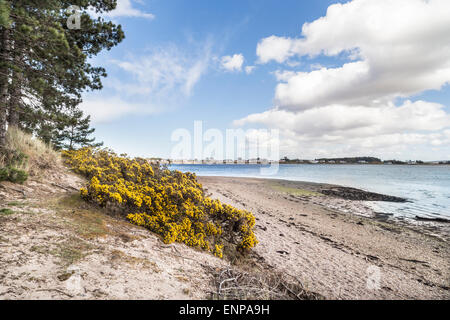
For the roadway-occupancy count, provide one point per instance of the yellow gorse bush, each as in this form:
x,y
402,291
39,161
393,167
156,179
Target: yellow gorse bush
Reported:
x,y
169,203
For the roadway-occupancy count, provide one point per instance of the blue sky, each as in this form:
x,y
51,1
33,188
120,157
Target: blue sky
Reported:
x,y
183,61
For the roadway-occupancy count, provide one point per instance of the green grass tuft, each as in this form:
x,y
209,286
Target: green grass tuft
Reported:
x,y
13,175
6,212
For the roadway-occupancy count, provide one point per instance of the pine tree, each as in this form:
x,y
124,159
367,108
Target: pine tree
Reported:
x,y
4,68
74,131
44,65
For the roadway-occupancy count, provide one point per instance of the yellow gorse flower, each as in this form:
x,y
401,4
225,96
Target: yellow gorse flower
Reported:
x,y
169,203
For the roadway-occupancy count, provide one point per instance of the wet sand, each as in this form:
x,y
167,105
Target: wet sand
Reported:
x,y
337,247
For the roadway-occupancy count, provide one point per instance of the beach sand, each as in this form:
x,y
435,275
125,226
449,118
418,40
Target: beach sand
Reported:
x,y
336,247
55,246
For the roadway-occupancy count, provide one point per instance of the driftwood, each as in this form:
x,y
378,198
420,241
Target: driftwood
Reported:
x,y
13,189
68,188
57,290
233,284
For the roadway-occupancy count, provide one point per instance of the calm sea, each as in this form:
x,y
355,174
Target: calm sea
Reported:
x,y
427,187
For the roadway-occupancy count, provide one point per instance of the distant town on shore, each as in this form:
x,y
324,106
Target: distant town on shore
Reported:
x,y
286,160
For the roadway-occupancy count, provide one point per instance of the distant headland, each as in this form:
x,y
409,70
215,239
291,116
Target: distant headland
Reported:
x,y
286,160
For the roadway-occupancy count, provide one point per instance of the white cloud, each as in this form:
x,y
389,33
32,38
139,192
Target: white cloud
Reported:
x,y
232,63
125,9
346,121
249,69
159,80
316,66
402,48
394,49
105,109
275,48
167,69
340,129
283,75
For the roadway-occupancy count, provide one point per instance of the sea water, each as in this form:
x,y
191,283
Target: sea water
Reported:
x,y
427,187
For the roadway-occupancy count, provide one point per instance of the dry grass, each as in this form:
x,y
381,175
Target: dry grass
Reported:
x,y
89,221
68,252
41,156
117,255
71,251
85,220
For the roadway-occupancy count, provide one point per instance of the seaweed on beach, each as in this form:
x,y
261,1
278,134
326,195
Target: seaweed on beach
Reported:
x,y
357,194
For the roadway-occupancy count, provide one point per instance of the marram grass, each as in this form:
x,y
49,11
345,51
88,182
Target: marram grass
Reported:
x,y
169,203
27,153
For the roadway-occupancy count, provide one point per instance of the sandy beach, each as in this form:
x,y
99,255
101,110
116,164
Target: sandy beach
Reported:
x,y
334,252
56,246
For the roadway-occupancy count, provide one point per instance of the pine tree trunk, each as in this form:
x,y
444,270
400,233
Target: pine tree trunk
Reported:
x,y
15,99
71,139
4,46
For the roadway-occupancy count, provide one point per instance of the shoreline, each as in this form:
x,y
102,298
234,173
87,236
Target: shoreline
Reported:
x,y
51,239
424,187
347,192
320,240
301,163
347,199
